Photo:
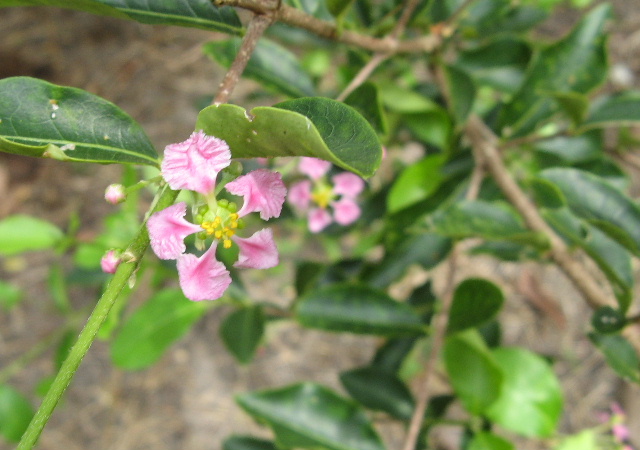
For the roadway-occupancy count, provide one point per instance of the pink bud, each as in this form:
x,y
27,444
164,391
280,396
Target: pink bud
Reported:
x,y
110,262
115,194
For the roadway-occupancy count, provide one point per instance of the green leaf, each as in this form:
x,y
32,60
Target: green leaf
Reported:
x,y
607,319
10,295
620,355
366,100
472,370
572,149
619,109
489,441
547,194
20,233
501,63
247,443
64,346
416,183
317,127
425,249
530,401
462,92
41,119
186,13
272,65
311,416
475,302
357,309
597,201
338,7
489,220
241,332
576,63
584,440
15,413
379,390
147,334
575,105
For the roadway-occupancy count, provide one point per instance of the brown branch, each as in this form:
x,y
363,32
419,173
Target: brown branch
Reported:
x,y
257,27
363,74
322,28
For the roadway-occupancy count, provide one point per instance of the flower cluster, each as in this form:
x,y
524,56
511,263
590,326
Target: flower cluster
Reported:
x,y
315,195
194,165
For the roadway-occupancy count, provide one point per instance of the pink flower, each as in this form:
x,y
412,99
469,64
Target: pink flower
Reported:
x,y
204,277
314,168
115,194
195,163
110,262
340,195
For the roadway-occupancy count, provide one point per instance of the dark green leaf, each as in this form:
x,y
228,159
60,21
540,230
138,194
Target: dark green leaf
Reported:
x,y
338,7
379,390
366,100
475,301
501,63
416,183
547,194
608,320
619,109
10,295
311,416
41,119
272,65
147,334
530,401
247,443
187,13
317,127
242,331
22,233
474,374
479,218
391,354
489,441
572,149
620,355
64,346
357,309
462,92
15,413
597,201
573,104
576,63
426,250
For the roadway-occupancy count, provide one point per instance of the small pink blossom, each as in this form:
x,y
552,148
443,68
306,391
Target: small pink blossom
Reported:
x,y
263,191
319,219
195,163
258,251
203,278
300,194
345,211
115,193
314,168
347,184
167,230
110,262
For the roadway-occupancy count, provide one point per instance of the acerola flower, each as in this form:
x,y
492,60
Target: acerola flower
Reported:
x,y
340,195
115,194
110,261
192,164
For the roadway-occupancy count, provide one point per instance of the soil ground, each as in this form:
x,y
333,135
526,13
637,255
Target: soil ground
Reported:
x,y
158,75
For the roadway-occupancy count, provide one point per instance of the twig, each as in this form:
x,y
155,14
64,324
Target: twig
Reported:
x,y
299,19
257,26
409,8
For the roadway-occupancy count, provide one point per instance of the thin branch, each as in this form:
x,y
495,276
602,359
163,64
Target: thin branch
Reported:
x,y
409,8
257,27
322,28
363,74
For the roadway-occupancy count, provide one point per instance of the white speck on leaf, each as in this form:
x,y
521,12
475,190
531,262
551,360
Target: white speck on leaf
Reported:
x,y
105,137
68,147
53,115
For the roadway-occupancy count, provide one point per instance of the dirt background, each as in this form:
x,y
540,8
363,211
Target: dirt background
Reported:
x,y
158,75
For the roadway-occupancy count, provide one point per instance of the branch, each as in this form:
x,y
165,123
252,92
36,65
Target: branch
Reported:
x,y
322,28
257,27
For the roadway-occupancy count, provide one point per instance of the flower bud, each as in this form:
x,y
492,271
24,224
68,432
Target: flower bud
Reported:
x,y
110,262
115,194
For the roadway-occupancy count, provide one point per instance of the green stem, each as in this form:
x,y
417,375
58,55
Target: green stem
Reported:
x,y
135,251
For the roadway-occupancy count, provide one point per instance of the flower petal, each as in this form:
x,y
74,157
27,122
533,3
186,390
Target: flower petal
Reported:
x,y
299,194
195,163
203,278
263,191
347,184
110,262
167,230
258,251
319,219
345,211
314,168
